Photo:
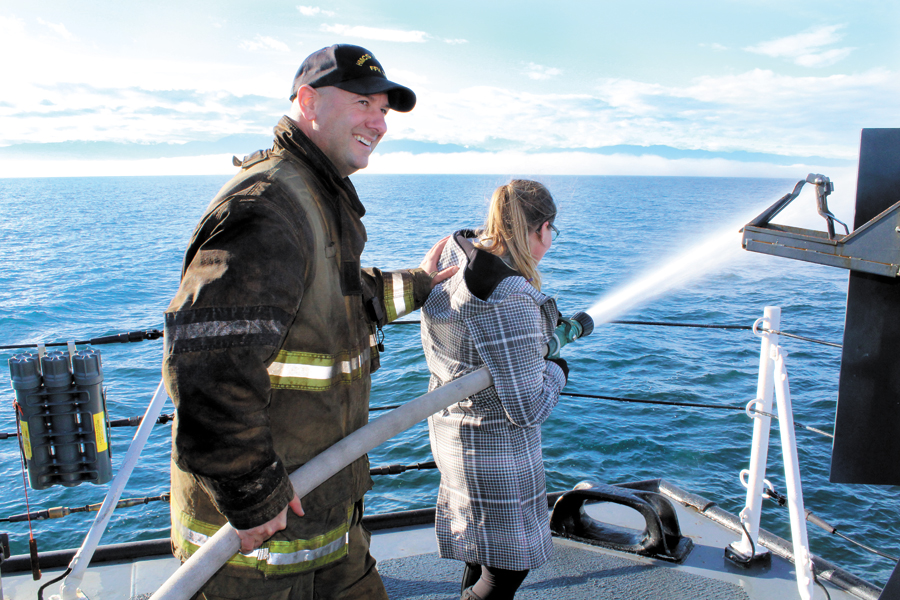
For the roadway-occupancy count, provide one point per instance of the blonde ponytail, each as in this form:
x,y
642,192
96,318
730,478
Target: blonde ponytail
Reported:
x,y
517,209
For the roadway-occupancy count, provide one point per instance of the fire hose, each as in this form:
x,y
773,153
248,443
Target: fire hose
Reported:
x,y
204,563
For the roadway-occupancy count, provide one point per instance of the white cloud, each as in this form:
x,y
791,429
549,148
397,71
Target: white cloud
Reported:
x,y
12,29
456,41
535,71
264,42
413,79
715,46
133,115
59,29
147,99
806,48
373,33
757,111
44,61
312,11
823,59
217,164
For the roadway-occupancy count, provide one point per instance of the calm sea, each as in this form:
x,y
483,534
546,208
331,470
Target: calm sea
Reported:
x,y
87,257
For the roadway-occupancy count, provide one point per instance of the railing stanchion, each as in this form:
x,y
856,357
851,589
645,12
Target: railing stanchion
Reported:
x,y
748,548
68,589
802,556
773,381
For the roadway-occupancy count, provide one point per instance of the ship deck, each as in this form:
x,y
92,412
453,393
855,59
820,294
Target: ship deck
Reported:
x,y
411,569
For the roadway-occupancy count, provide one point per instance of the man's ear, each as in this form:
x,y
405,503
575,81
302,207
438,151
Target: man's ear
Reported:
x,y
307,102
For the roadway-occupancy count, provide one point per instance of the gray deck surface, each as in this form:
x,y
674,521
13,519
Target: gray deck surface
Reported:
x,y
571,573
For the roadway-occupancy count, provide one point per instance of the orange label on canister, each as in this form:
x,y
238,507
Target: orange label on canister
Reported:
x,y
26,440
100,432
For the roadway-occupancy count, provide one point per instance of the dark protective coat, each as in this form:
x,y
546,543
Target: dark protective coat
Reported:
x,y
270,343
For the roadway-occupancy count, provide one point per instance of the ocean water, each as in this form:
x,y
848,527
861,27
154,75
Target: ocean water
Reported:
x,y
87,257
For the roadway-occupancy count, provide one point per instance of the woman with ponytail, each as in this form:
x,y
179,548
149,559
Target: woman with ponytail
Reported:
x,y
492,504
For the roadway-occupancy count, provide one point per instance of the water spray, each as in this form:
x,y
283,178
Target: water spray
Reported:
x,y
698,260
204,563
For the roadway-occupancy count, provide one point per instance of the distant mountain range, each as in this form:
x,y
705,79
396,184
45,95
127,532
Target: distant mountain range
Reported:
x,y
243,144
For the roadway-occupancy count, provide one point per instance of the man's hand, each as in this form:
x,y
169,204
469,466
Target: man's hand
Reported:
x,y
430,262
251,539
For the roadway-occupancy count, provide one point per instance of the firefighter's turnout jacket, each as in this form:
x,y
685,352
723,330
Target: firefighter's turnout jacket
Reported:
x,y
270,343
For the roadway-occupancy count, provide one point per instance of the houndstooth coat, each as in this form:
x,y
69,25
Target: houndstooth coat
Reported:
x,y
492,505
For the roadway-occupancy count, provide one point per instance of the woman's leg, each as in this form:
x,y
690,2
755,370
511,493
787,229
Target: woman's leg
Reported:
x,y
498,584
470,575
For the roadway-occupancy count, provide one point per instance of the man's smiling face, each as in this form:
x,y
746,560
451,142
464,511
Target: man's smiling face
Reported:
x,y
347,127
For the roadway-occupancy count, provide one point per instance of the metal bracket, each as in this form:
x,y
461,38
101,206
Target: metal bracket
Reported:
x,y
874,247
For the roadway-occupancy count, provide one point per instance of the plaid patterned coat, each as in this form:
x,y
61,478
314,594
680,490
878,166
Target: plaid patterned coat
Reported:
x,y
492,506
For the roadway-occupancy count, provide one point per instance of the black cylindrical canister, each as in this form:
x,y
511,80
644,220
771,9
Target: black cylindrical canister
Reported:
x,y
63,427
25,375
62,415
88,376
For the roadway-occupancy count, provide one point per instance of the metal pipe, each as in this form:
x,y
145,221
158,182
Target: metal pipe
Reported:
x,y
749,547
197,570
802,557
68,590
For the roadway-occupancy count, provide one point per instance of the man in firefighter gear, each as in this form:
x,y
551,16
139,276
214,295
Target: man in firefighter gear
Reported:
x,y
271,340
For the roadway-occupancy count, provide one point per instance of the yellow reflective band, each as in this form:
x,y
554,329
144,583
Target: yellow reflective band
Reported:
x,y
26,440
100,432
398,297
317,372
373,346
274,557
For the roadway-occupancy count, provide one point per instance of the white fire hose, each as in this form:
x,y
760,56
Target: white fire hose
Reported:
x,y
203,564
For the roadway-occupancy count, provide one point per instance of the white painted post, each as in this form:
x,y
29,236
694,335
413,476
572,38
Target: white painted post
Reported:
x,y
759,450
68,589
802,557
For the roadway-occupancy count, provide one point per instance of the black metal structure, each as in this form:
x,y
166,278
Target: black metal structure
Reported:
x,y
866,441
866,445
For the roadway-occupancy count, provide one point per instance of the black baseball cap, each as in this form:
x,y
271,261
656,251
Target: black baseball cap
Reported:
x,y
353,69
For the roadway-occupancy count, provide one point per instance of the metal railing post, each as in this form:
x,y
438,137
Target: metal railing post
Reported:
x,y
68,589
802,557
748,548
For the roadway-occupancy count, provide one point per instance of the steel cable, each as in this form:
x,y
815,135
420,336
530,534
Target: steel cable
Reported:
x,y
154,334
692,405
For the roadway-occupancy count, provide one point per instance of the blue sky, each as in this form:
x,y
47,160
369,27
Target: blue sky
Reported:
x,y
727,87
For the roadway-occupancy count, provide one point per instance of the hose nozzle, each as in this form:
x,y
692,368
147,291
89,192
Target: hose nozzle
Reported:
x,y
578,326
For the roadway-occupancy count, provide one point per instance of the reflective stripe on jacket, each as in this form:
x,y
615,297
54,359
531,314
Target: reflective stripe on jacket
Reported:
x,y
273,557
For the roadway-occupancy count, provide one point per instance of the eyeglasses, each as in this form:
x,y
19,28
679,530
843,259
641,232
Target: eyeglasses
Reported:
x,y
554,230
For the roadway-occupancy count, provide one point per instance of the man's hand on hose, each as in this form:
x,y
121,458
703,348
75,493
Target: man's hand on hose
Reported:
x,y
430,262
251,539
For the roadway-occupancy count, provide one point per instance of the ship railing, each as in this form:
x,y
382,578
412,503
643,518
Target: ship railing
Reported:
x,y
69,589
772,384
773,381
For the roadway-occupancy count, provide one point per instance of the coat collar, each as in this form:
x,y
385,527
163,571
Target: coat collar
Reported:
x,y
484,271
339,194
